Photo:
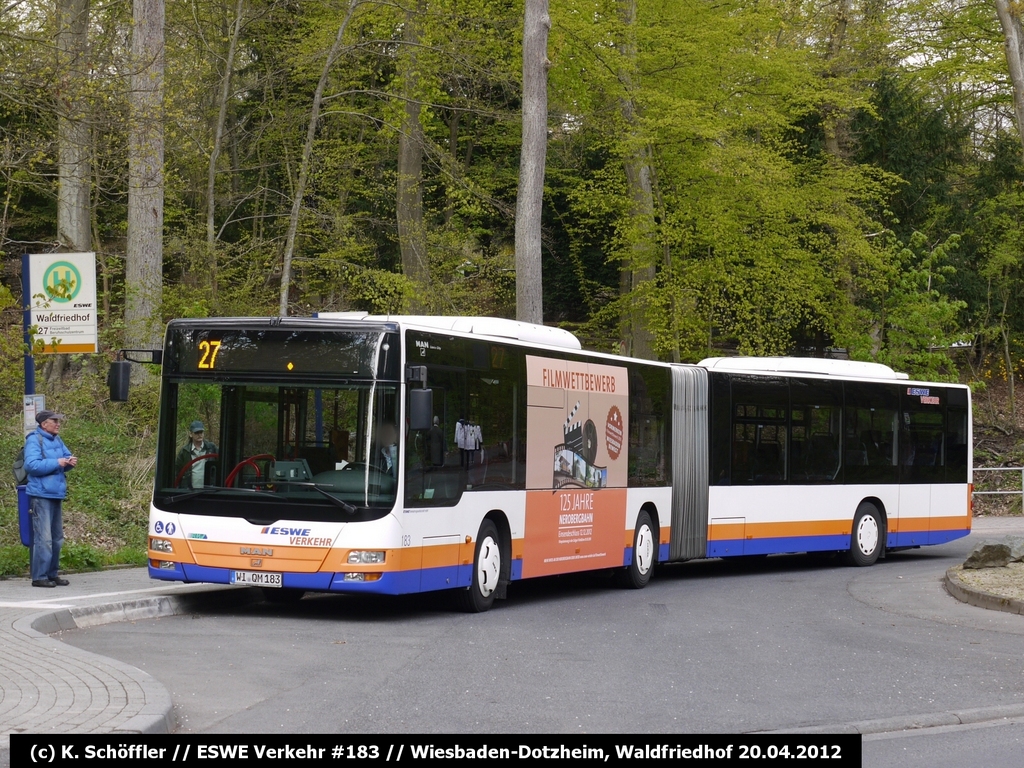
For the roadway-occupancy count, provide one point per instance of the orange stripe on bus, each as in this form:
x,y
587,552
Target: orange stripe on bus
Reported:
x,y
730,531
664,537
970,505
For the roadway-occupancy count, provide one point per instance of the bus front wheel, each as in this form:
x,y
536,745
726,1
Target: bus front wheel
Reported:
x,y
638,572
480,595
868,535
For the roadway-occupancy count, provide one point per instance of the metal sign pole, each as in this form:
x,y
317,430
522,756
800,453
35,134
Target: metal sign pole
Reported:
x,y
26,315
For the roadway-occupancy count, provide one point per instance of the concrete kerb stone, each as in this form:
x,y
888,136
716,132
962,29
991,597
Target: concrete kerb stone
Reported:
x,y
980,598
81,617
916,722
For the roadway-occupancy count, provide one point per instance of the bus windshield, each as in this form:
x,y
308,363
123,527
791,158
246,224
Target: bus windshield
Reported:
x,y
242,442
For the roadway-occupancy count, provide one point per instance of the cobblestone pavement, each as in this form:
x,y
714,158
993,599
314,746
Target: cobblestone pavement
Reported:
x,y
46,685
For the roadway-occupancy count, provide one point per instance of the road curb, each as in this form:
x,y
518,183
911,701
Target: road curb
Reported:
x,y
156,714
81,617
916,722
979,597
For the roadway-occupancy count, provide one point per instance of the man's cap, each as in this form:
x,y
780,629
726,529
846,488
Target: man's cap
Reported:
x,y
42,416
196,426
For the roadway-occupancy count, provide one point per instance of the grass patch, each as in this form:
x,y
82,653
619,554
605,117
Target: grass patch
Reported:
x,y
13,560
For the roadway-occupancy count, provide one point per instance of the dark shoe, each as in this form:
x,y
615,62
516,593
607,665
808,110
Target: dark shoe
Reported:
x,y
44,583
60,582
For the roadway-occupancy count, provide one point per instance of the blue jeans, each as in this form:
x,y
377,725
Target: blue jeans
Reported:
x,y
47,536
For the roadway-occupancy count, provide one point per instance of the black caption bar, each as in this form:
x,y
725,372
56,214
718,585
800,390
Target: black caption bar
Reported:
x,y
64,751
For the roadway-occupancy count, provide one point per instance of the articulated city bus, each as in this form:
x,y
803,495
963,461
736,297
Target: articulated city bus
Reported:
x,y
395,455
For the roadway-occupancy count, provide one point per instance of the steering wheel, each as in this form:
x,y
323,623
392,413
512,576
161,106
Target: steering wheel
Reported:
x,y
184,469
248,461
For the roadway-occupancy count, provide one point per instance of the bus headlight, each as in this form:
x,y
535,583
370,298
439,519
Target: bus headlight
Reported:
x,y
362,577
161,545
365,557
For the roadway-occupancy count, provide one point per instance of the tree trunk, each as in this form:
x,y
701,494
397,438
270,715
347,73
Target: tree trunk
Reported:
x,y
74,145
1013,42
1008,362
144,256
307,152
530,196
412,237
640,266
218,139
833,118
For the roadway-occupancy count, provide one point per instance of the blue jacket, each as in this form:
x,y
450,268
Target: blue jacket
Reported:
x,y
45,475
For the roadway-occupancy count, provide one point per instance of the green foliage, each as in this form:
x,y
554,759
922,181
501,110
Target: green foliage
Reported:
x,y
11,350
378,291
919,323
14,559
791,151
80,557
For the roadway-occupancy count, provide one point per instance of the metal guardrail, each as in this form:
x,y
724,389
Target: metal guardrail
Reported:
x,y
1003,493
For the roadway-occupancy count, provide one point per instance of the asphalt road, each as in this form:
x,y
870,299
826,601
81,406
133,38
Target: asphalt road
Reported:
x,y
716,646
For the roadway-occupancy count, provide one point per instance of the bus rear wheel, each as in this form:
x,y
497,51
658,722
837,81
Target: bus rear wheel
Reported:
x,y
638,573
479,597
868,534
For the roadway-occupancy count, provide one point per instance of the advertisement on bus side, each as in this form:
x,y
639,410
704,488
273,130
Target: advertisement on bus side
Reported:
x,y
576,465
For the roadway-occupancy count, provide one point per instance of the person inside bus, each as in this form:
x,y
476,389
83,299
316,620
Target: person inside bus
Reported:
x,y
387,439
197,451
339,448
435,444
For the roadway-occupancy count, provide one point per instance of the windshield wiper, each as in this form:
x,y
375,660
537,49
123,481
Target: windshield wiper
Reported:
x,y
212,489
316,487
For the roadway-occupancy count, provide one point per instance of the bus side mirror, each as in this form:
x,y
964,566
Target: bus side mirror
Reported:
x,y
120,374
119,380
421,408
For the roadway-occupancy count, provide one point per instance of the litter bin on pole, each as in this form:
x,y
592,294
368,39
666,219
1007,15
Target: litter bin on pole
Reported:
x,y
24,519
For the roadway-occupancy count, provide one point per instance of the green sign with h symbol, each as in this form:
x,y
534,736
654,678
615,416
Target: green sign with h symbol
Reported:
x,y
62,288
62,281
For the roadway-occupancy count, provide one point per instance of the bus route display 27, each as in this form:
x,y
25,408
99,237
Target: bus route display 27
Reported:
x,y
298,352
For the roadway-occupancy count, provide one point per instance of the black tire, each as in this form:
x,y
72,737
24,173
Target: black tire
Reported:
x,y
480,594
868,536
637,574
283,595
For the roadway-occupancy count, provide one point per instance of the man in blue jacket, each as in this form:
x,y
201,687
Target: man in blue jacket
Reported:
x,y
46,461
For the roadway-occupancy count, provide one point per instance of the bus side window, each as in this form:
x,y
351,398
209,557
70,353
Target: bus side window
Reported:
x,y
649,402
870,417
957,449
817,430
760,409
922,458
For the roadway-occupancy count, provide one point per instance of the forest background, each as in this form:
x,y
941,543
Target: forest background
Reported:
x,y
810,177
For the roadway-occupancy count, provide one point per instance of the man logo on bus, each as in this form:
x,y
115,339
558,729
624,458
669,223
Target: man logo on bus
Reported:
x,y
62,281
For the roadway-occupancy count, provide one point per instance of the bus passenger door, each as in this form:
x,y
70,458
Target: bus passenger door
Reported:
x,y
922,417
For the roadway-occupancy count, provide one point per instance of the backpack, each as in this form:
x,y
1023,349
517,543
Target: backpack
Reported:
x,y
20,473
